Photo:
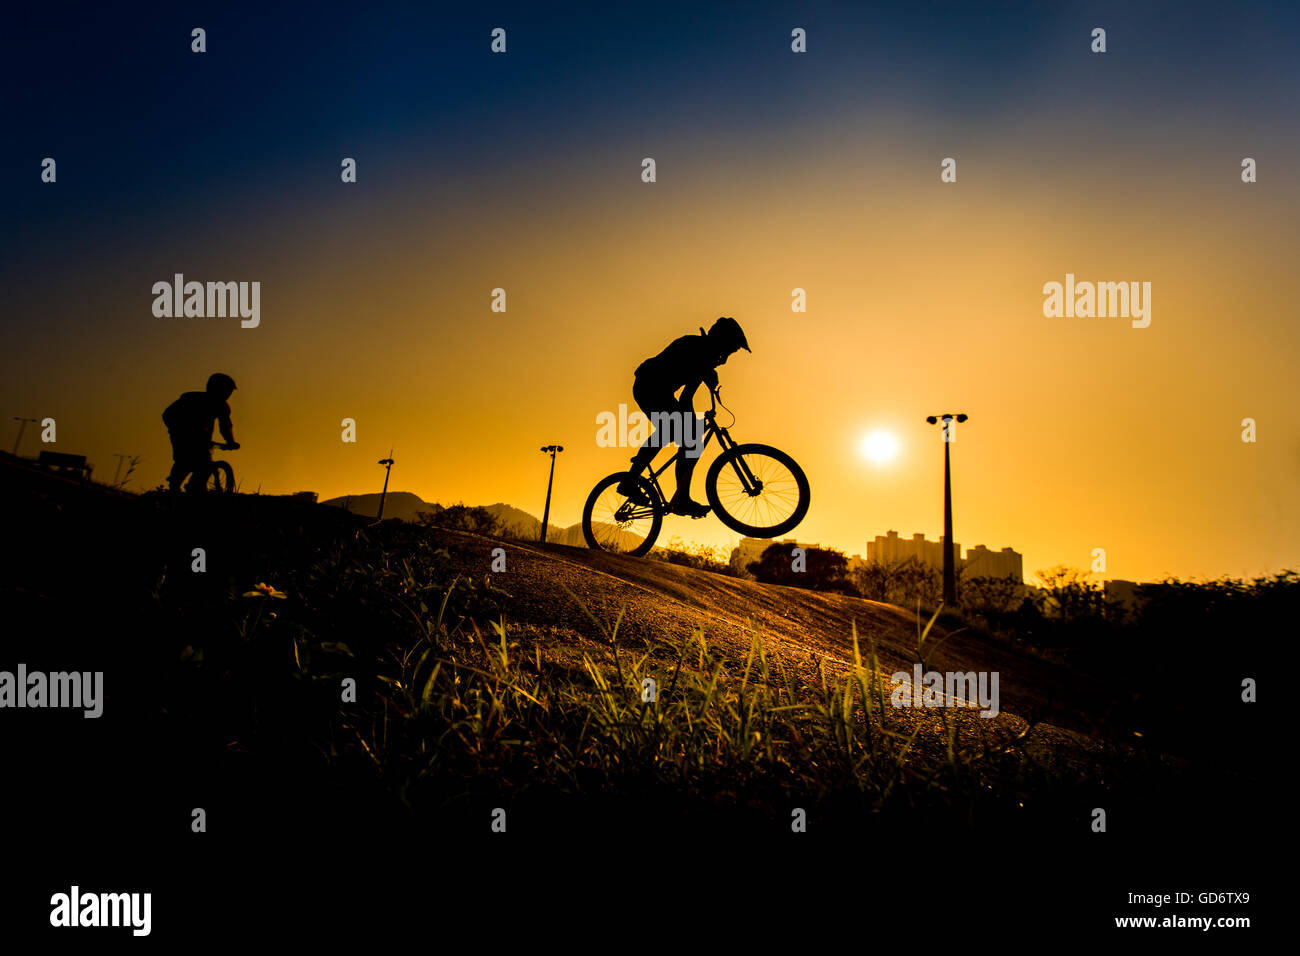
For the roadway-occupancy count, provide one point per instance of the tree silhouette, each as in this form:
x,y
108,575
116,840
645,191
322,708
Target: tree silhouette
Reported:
x,y
1070,593
906,582
826,569
990,595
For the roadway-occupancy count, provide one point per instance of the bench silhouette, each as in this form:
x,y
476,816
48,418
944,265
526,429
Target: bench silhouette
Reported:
x,y
72,465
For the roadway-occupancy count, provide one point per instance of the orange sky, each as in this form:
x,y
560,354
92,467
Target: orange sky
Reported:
x,y
922,298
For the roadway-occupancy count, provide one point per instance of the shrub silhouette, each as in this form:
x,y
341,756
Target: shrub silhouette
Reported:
x,y
826,570
459,517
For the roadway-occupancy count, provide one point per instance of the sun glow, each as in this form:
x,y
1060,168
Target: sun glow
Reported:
x,y
880,448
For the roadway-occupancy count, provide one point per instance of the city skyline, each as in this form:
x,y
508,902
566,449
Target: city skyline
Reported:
x,y
891,548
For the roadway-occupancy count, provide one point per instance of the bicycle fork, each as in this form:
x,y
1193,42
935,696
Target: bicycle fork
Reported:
x,y
751,483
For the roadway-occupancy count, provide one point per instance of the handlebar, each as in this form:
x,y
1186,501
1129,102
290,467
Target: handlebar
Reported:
x,y
223,445
715,402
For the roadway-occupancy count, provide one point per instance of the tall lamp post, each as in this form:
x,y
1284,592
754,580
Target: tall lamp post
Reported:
x,y
388,467
949,568
546,514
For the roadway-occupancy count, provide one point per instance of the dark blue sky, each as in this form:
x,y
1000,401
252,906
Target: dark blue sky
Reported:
x,y
134,118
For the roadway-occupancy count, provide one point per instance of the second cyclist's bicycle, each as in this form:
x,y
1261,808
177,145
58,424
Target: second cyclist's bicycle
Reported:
x,y
218,476
756,490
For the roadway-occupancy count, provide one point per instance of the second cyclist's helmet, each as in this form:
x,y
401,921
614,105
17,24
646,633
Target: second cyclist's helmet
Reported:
x,y
220,382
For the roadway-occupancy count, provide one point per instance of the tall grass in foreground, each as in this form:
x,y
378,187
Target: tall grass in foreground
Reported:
x,y
453,706
460,712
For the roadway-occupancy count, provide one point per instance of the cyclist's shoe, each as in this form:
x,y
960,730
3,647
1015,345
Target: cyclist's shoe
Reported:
x,y
631,489
689,508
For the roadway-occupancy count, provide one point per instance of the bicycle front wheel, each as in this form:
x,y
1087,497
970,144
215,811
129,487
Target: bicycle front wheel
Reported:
x,y
757,490
221,478
610,522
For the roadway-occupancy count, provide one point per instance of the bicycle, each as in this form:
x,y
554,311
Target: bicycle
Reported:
x,y
220,476
746,484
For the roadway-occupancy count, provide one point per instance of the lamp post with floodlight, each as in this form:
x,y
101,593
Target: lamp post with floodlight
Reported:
x,y
388,467
546,514
949,564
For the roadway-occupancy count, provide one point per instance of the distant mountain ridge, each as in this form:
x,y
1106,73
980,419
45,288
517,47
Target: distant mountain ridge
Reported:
x,y
406,506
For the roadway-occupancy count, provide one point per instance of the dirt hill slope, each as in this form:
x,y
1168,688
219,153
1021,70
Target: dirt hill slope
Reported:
x,y
663,602
663,605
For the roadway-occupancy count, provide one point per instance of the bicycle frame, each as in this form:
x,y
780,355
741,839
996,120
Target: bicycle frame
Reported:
x,y
196,483
751,484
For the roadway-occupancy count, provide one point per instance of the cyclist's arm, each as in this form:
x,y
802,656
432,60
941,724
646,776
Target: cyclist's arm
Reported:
x,y
227,427
687,400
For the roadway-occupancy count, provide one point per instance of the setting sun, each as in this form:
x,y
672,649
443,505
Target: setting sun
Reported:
x,y
879,448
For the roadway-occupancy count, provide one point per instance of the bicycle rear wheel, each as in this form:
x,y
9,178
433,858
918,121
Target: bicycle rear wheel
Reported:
x,y
612,523
757,490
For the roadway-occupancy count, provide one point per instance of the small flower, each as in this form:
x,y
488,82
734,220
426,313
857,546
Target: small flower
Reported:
x,y
264,590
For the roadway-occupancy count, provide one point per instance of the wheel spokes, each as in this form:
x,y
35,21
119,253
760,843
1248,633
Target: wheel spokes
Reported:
x,y
765,502
619,524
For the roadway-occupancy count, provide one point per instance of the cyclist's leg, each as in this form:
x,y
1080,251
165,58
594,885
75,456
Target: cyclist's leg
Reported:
x,y
650,398
653,400
176,477
644,455
195,458
661,405
182,461
683,503
629,488
685,468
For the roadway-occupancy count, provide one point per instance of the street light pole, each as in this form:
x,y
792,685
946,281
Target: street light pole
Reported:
x,y
388,468
21,428
546,513
949,561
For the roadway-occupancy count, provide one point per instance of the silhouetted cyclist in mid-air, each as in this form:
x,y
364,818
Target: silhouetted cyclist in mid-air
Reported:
x,y
189,422
686,364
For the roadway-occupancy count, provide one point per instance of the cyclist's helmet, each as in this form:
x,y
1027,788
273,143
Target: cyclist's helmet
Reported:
x,y
728,333
220,382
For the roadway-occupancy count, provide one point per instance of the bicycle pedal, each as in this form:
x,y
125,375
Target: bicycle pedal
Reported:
x,y
692,514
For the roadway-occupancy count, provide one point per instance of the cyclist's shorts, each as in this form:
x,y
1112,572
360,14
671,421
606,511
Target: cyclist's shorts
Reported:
x,y
654,397
189,448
